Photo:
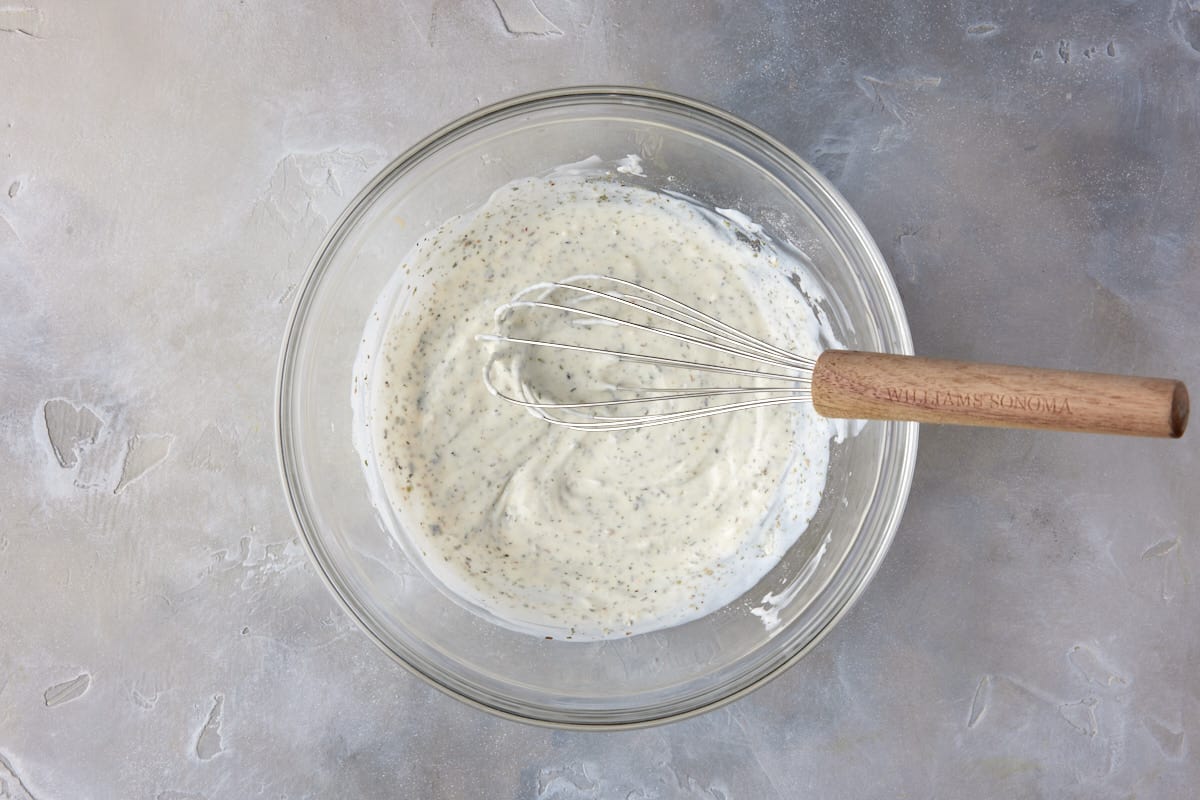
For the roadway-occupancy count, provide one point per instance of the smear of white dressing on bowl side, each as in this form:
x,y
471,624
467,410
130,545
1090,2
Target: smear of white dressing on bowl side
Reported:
x,y
585,535
631,165
772,602
739,219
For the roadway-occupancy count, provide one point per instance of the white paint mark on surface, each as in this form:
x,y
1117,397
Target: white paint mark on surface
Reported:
x,y
420,16
215,447
71,429
23,21
145,700
1091,665
304,194
1174,575
691,786
982,29
142,455
11,784
305,189
568,781
1185,23
522,17
1161,549
208,741
67,691
275,558
979,703
11,229
1081,716
910,231
1170,742
892,96
1004,700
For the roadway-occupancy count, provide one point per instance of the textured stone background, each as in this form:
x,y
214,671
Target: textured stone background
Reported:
x,y
1030,171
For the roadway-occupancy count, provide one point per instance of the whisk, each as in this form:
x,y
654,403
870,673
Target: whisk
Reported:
x,y
559,317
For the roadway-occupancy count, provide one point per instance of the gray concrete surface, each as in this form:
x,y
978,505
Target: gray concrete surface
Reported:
x,y
1030,171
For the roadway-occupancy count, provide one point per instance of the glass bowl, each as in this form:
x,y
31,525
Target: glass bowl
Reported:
x,y
684,147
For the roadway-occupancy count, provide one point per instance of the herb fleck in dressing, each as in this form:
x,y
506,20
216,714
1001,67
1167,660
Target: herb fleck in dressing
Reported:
x,y
586,535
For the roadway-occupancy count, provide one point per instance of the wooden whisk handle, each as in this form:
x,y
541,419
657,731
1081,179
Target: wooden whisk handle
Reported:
x,y
855,385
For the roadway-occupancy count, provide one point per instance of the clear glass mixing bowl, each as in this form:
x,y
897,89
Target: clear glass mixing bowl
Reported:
x,y
685,147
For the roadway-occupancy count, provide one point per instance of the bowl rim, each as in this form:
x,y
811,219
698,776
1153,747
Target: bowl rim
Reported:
x,y
904,442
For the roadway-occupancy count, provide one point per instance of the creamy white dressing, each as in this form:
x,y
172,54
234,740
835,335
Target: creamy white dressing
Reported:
x,y
570,534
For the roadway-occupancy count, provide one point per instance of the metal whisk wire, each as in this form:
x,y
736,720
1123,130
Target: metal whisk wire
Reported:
x,y
789,380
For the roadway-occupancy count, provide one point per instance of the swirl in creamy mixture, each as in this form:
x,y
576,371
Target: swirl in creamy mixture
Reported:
x,y
586,535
